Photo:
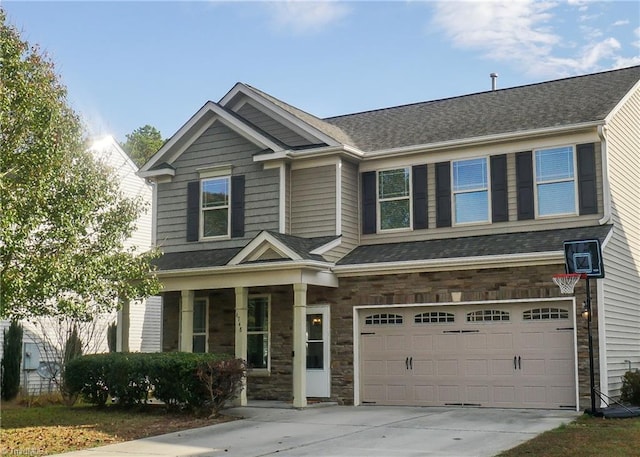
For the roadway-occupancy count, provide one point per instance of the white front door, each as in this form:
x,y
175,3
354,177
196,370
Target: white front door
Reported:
x,y
318,372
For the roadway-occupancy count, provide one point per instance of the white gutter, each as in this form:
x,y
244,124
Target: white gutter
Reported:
x,y
459,263
606,188
247,268
395,152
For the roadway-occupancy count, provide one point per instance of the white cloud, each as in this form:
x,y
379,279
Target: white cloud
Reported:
x,y
621,22
302,17
529,34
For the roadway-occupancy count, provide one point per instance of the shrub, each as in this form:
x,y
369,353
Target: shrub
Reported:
x,y
173,378
72,350
630,392
222,380
11,359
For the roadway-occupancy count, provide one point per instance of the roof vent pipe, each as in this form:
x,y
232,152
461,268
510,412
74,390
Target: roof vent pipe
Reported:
x,y
494,80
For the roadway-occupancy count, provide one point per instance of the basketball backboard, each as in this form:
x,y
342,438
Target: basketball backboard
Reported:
x,y
584,256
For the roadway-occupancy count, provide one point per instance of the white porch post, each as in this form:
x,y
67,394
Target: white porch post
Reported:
x,y
242,294
122,330
299,345
186,321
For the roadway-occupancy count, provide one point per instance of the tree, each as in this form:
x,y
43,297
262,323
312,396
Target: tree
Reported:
x,y
63,220
11,358
142,143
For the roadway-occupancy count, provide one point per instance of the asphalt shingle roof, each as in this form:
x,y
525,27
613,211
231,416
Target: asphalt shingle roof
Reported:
x,y
473,246
549,104
220,257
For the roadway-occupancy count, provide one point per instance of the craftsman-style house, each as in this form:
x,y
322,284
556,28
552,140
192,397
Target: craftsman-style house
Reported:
x,y
404,256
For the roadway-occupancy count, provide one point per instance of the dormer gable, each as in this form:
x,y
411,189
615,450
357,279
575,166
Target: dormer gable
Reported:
x,y
160,165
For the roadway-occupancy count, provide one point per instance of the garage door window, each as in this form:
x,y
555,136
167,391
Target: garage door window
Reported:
x,y
383,319
433,317
487,315
545,313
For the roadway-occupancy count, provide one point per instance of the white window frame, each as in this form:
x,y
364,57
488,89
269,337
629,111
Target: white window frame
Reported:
x,y
486,188
555,181
261,332
408,197
216,208
206,323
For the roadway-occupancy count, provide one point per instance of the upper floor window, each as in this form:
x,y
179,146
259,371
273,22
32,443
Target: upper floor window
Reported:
x,y
555,181
470,191
258,354
394,198
215,197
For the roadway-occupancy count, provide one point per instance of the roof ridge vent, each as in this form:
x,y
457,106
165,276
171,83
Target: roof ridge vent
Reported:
x,y
494,80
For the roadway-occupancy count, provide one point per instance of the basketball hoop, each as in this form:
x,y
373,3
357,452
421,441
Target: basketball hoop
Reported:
x,y
567,281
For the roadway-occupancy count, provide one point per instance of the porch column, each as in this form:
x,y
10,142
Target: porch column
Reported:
x,y
242,294
122,329
299,345
186,321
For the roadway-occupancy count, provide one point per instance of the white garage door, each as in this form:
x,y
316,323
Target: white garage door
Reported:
x,y
507,356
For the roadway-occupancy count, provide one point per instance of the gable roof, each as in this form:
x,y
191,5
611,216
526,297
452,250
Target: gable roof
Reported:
x,y
564,102
300,249
473,246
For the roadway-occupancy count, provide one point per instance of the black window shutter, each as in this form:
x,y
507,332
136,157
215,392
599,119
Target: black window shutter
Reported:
x,y
369,202
193,210
237,206
499,204
524,185
419,196
443,194
587,188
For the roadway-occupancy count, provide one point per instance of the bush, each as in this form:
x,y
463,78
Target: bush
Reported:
x,y
222,380
630,392
11,359
173,378
72,350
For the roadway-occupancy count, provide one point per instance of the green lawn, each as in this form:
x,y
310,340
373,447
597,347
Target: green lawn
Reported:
x,y
587,436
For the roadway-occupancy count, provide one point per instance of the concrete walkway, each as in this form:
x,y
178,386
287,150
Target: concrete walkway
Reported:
x,y
345,431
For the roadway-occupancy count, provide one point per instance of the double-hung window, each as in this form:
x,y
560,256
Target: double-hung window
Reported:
x,y
215,198
555,181
200,306
258,351
394,199
470,191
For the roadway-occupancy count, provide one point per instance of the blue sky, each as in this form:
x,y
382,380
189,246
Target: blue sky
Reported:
x,y
127,64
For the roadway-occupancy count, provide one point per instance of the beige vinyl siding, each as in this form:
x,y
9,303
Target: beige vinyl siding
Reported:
x,y
313,201
622,253
145,324
218,145
349,212
513,225
268,124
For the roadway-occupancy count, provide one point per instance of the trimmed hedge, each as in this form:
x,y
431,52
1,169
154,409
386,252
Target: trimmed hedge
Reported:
x,y
172,377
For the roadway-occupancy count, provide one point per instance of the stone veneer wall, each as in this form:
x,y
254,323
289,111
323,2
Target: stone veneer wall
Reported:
x,y
419,288
435,287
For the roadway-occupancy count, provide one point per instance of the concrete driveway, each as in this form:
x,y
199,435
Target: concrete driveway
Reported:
x,y
365,431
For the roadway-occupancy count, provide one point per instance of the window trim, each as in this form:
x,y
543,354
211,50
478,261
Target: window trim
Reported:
x,y
409,197
202,209
254,332
206,323
455,193
576,203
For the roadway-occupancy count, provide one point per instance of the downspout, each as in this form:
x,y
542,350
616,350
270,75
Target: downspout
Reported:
x,y
606,189
606,218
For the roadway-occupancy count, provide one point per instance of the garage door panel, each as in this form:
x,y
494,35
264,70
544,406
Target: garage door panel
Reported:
x,y
448,394
476,367
500,341
475,342
422,343
423,367
533,367
479,394
504,394
447,342
424,394
502,367
448,367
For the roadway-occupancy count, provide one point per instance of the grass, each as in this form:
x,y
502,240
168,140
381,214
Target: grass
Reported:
x,y
52,429
587,436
